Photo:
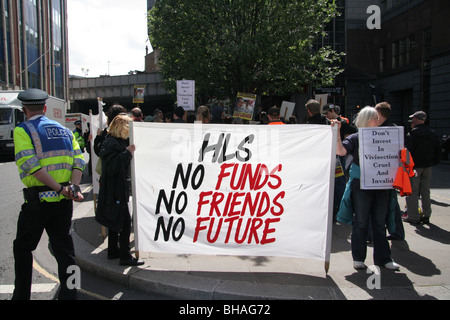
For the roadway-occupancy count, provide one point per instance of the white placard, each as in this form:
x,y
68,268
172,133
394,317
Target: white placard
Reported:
x,y
379,156
186,94
287,109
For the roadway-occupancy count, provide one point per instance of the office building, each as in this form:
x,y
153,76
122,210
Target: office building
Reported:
x,y
405,62
34,50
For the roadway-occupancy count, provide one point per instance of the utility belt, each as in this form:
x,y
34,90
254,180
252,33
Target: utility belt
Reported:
x,y
33,195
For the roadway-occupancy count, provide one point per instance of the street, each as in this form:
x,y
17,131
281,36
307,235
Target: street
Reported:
x,y
45,278
427,245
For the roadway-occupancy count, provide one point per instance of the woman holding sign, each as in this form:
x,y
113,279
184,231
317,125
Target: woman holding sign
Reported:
x,y
112,211
369,206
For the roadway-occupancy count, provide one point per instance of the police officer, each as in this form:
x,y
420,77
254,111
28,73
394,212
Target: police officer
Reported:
x,y
78,134
50,165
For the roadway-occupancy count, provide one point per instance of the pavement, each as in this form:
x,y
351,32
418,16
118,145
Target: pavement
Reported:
x,y
423,257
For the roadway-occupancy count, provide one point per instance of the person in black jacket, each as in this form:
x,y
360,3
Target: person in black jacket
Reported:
x,y
315,115
423,144
115,189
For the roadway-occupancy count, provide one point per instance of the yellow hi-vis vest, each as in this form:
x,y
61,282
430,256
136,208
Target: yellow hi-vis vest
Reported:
x,y
79,137
43,144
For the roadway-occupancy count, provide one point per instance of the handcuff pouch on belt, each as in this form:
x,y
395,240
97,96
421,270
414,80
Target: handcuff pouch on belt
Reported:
x,y
31,195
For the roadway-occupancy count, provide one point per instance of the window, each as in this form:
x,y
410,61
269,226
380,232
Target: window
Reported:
x,y
394,55
402,52
382,59
5,116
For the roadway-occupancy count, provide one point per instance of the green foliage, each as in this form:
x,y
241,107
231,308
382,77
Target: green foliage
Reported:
x,y
254,46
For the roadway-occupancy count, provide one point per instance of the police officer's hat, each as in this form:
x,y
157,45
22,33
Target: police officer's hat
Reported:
x,y
78,122
33,97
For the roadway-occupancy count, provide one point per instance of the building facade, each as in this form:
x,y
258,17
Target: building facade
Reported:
x,y
406,62
34,46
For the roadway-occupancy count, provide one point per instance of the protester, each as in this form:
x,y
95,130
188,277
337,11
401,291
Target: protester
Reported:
x,y
191,118
203,114
424,145
263,118
157,119
136,115
158,113
384,113
115,190
292,120
217,114
178,115
50,165
314,114
330,111
111,114
338,111
369,206
274,116
168,117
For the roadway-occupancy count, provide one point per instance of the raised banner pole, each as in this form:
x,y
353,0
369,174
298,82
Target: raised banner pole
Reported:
x,y
133,193
334,136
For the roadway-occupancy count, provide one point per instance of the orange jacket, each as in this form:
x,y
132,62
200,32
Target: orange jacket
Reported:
x,y
405,171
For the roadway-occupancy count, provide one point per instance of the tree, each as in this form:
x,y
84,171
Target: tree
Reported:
x,y
254,46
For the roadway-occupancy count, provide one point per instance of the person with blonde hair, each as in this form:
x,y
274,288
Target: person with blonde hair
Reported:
x,y
115,190
368,206
203,114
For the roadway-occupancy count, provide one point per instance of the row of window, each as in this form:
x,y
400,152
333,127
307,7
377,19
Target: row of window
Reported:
x,y
401,54
402,51
28,15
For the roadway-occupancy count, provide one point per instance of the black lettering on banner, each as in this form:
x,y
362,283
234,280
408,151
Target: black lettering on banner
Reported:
x,y
221,146
185,177
166,230
176,229
169,203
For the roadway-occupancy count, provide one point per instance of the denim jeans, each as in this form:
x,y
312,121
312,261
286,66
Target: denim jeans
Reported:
x,y
370,206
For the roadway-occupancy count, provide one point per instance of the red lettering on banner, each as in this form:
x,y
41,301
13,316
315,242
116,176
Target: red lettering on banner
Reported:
x,y
240,216
249,230
243,173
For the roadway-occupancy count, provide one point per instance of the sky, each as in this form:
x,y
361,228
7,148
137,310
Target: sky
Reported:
x,y
107,36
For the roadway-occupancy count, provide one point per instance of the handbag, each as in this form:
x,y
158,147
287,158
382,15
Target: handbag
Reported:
x,y
112,215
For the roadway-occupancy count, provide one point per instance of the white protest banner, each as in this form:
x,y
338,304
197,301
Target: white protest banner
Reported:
x,y
233,189
98,124
379,156
94,158
186,94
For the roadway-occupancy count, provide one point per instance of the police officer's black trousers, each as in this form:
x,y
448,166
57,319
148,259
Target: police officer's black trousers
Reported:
x,y
56,219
